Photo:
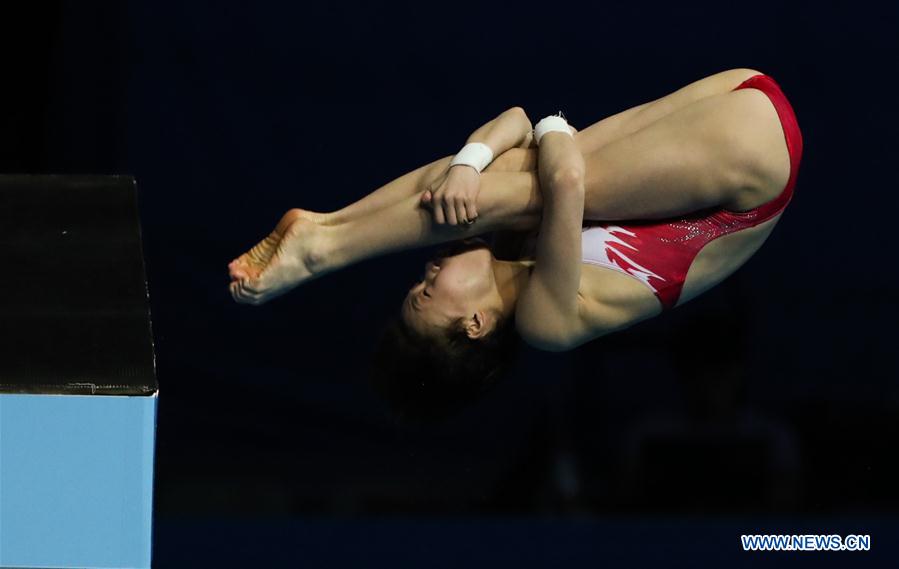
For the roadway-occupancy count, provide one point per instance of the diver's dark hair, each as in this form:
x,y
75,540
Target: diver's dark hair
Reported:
x,y
428,379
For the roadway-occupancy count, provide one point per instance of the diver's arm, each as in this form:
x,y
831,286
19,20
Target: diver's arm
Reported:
x,y
502,133
548,312
452,196
512,128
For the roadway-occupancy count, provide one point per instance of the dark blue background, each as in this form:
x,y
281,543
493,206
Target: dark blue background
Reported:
x,y
773,395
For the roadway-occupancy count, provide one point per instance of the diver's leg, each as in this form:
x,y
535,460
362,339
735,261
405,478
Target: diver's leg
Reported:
x,y
389,193
513,160
702,155
633,119
509,200
589,139
396,190
411,184
725,150
307,250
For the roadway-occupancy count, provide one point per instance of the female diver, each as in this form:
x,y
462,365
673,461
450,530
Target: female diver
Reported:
x,y
636,214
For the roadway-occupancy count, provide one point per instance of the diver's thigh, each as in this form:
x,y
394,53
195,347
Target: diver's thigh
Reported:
x,y
696,157
621,124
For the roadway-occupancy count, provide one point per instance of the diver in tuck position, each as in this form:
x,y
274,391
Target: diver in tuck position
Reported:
x,y
634,215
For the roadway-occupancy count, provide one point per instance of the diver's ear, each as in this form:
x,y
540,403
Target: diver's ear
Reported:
x,y
476,326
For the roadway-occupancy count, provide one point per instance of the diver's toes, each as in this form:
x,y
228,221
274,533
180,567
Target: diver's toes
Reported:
x,y
237,265
235,291
240,294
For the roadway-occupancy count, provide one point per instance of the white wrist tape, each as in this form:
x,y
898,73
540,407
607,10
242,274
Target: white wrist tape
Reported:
x,y
475,154
552,123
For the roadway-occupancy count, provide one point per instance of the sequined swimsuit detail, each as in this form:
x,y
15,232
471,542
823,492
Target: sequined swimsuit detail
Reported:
x,y
659,253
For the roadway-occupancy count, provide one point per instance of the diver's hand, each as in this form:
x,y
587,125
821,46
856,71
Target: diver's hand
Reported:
x,y
453,196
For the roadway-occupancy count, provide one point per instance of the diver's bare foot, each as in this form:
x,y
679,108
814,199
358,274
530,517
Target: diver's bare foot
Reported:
x,y
288,256
315,217
251,263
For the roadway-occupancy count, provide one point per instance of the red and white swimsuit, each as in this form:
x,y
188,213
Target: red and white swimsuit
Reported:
x,y
659,253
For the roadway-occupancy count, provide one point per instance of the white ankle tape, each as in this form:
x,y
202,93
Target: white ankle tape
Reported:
x,y
475,154
552,123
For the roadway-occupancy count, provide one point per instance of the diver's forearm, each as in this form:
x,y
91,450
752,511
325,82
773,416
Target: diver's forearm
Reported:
x,y
510,129
508,201
502,134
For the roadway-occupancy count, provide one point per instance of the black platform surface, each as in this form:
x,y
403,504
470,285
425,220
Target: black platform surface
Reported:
x,y
74,307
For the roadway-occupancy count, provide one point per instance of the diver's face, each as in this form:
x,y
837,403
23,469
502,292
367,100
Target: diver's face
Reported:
x,y
457,283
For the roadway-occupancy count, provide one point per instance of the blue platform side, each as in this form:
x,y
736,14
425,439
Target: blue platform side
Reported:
x,y
76,480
